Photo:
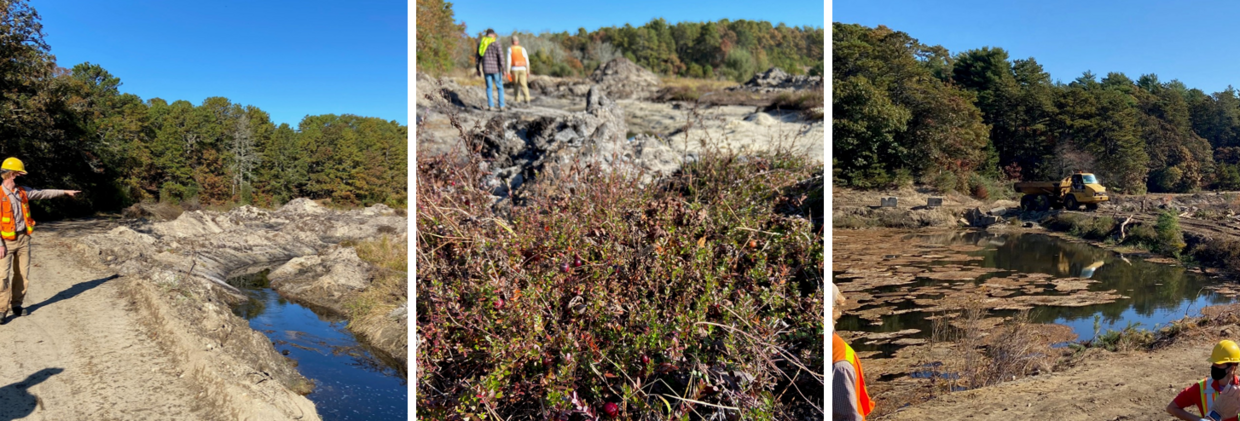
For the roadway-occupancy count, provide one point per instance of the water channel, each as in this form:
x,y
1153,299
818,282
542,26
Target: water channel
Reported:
x,y
351,381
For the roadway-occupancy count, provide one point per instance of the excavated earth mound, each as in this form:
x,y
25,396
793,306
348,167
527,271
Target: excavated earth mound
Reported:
x,y
623,79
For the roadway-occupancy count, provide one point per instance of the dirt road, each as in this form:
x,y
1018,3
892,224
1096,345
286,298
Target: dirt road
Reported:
x,y
1134,386
79,353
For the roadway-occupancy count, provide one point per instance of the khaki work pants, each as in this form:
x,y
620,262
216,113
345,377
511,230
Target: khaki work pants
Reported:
x,y
16,263
519,77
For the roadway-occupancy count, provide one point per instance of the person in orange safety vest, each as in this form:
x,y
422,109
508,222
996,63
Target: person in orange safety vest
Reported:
x,y
16,226
519,69
850,400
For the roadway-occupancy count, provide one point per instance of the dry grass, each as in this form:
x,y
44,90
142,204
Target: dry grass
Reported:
x,y
987,357
808,103
702,85
389,289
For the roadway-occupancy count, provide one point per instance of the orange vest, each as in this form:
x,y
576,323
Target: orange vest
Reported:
x,y
1208,394
518,56
8,227
840,351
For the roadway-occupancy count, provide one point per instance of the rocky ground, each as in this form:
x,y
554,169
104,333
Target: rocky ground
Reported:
x,y
683,127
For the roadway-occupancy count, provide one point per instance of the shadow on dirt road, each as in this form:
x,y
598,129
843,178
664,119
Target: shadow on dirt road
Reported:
x,y
73,291
16,402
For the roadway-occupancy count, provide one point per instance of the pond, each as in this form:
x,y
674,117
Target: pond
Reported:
x,y
1150,295
351,381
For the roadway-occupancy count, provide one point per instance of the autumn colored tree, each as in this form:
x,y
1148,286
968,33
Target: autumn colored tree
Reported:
x,y
438,35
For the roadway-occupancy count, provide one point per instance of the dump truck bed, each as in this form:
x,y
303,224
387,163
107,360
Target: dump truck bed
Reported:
x,y
1054,188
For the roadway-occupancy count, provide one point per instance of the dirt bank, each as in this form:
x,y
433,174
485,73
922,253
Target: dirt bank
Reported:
x,y
1101,385
172,300
95,346
300,241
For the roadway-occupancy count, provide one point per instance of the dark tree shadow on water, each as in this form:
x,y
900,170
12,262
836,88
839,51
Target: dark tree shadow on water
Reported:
x,y
73,291
16,402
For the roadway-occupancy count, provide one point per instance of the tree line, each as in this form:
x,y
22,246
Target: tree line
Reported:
x,y
907,112
725,49
75,129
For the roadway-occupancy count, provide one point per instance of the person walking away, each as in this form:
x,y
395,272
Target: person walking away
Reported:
x,y
1217,398
16,226
518,67
490,67
849,399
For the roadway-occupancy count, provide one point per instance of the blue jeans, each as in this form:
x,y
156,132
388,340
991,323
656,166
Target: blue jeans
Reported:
x,y
497,80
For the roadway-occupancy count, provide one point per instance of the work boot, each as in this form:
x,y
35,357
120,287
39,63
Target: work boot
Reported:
x,y
18,311
4,317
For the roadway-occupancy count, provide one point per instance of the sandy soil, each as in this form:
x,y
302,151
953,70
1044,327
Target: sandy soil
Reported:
x,y
80,353
1133,386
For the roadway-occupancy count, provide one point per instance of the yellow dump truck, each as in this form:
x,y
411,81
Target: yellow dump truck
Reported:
x,y
1070,193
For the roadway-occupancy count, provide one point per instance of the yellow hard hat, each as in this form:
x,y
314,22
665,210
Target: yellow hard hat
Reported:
x,y
13,164
1226,352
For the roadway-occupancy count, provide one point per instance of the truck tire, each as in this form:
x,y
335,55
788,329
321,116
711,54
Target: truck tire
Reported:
x,y
1027,202
1069,203
1044,202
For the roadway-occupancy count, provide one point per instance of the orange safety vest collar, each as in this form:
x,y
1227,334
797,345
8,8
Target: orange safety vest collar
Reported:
x,y
840,351
8,227
518,56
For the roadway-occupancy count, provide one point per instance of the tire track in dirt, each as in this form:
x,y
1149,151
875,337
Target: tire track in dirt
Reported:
x,y
80,354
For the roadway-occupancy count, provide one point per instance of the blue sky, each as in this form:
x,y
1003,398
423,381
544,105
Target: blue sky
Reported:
x,y
289,58
1190,41
568,15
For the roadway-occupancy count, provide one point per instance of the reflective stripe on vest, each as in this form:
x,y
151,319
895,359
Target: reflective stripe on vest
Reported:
x,y
1207,399
8,228
864,404
518,56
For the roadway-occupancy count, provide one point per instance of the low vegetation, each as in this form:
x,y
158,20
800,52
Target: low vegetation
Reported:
x,y
694,297
1165,237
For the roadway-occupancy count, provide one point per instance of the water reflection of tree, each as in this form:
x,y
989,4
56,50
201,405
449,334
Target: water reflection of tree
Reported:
x,y
1150,287
252,307
1154,287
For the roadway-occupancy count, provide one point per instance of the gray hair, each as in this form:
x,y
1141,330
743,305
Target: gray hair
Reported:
x,y
515,39
836,302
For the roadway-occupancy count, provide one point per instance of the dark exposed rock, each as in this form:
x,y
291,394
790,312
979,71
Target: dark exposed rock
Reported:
x,y
521,149
775,80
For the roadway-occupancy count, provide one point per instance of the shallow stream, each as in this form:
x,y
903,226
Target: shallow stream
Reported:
x,y
350,381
